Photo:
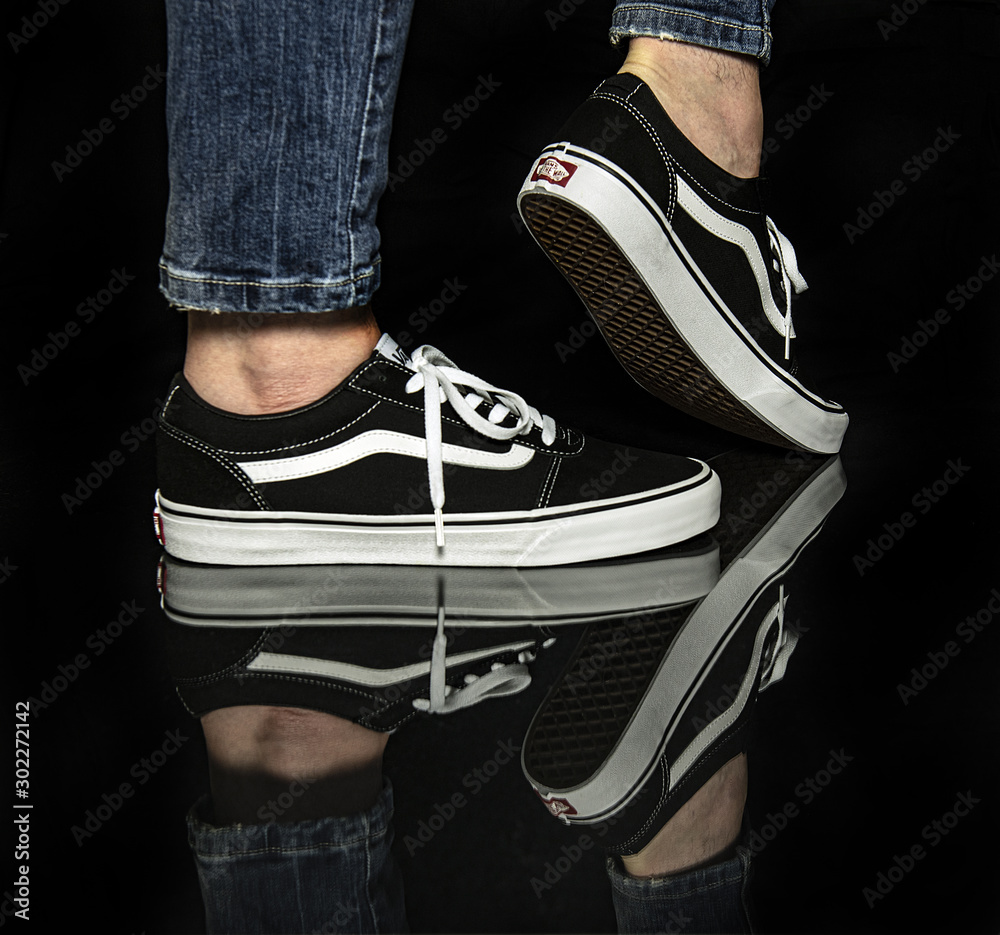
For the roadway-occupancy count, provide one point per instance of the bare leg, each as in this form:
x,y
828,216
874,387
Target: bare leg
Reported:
x,y
712,96
706,826
255,364
289,764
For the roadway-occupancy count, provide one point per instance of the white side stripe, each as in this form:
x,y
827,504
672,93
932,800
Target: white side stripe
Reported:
x,y
380,441
362,675
737,235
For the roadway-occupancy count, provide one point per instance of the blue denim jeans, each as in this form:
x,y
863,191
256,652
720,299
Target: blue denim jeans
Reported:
x,y
278,120
712,898
742,26
321,876
338,875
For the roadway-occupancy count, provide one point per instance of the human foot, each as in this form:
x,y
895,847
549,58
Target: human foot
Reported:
x,y
332,481
689,281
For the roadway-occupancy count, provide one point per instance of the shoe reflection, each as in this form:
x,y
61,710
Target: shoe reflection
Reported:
x,y
377,644
652,705
672,646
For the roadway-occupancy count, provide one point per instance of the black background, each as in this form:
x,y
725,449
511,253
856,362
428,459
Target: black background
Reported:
x,y
66,573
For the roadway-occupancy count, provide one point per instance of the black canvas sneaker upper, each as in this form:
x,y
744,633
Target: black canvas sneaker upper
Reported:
x,y
406,448
727,257
377,645
675,697
379,676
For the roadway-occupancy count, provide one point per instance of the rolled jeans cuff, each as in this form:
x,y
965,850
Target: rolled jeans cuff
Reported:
x,y
191,290
742,26
326,874
278,122
712,898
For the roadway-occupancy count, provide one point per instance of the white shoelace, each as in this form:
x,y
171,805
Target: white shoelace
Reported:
x,y
502,679
786,264
784,644
439,378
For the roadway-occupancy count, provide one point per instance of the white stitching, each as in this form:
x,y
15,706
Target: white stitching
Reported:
x,y
233,469
667,158
550,483
267,285
265,451
228,671
520,440
705,19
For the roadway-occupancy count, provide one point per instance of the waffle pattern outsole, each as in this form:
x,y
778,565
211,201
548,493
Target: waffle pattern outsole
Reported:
x,y
589,708
637,331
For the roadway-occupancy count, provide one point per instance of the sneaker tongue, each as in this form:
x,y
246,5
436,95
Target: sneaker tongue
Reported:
x,y
389,349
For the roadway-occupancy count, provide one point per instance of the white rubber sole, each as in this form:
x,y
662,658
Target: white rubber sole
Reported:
x,y
690,658
411,595
686,298
552,536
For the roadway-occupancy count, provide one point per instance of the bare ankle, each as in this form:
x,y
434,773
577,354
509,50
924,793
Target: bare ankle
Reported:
x,y
289,764
712,96
255,363
704,827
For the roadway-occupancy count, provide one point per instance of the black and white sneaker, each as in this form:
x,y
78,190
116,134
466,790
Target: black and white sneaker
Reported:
x,y
377,645
688,279
379,676
409,595
359,477
674,697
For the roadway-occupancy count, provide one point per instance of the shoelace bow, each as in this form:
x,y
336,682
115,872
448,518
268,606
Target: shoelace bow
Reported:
x,y
786,264
439,378
504,678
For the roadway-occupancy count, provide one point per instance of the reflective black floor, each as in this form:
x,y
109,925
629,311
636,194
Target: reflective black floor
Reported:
x,y
892,605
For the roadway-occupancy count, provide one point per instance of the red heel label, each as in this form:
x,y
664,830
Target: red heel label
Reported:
x,y
554,170
556,806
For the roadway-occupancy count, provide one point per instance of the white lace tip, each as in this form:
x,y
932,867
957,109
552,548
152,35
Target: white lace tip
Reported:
x,y
439,527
